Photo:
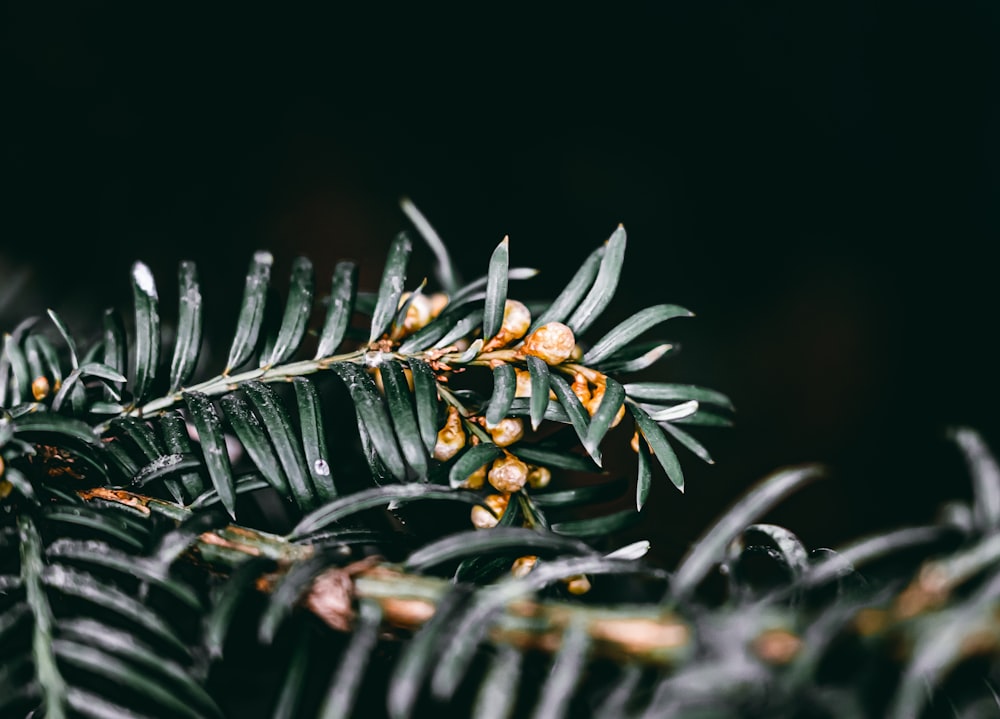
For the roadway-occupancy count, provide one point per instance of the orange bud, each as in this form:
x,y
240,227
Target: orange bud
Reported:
x,y
539,477
619,416
507,431
377,374
451,438
483,518
418,314
523,386
523,565
516,321
439,300
40,388
578,585
581,388
595,402
508,474
475,480
552,343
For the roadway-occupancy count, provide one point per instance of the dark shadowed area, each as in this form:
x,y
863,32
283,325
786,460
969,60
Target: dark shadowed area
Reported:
x,y
817,181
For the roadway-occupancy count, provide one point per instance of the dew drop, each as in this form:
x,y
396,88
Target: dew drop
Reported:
x,y
321,468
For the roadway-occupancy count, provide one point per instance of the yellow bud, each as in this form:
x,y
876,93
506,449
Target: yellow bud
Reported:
x,y
483,518
377,374
523,386
40,388
578,585
539,477
5,488
439,300
475,480
516,321
581,388
619,416
507,431
634,444
779,646
508,474
451,438
418,314
497,502
595,402
523,565
552,343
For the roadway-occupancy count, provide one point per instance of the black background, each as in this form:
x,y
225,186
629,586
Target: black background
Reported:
x,y
816,181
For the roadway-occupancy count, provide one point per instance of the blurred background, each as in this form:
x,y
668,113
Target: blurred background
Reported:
x,y
817,181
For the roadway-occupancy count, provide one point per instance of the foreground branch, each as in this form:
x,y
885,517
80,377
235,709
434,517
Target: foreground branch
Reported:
x,y
647,634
